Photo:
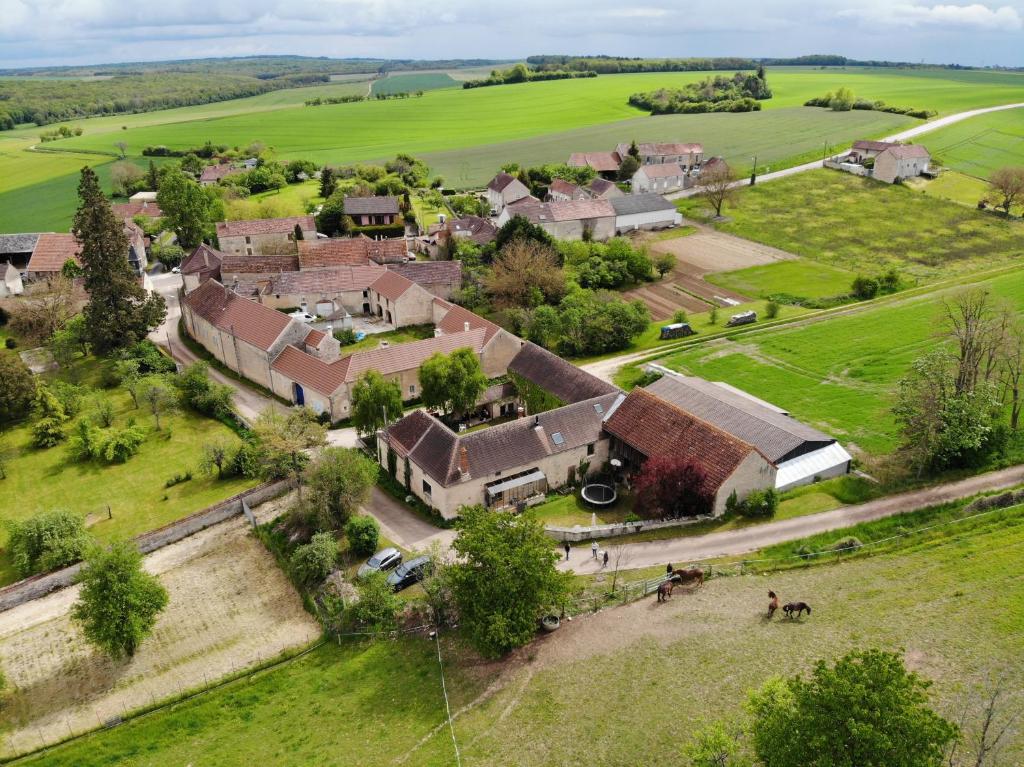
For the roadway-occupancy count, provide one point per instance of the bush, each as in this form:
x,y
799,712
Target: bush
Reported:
x,y
312,562
864,288
363,534
345,336
46,542
70,397
121,444
48,432
771,310
760,504
378,605
846,545
178,479
247,461
10,343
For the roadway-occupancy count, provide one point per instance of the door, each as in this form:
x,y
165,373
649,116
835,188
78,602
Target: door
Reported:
x,y
300,396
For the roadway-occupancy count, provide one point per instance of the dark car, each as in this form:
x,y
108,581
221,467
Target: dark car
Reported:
x,y
408,573
384,559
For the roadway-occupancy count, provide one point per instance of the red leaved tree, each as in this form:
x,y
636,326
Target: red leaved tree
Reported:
x,y
671,486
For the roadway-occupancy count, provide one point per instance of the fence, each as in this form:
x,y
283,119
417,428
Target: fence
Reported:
x,y
590,532
41,585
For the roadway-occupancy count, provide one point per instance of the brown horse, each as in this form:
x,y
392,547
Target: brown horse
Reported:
x,y
665,591
773,605
795,609
691,575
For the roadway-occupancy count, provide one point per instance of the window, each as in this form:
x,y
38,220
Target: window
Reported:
x,y
248,240
590,449
557,438
248,251
412,388
426,487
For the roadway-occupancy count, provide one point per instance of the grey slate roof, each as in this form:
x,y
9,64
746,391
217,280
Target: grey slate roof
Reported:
x,y
370,206
778,436
556,376
18,243
640,203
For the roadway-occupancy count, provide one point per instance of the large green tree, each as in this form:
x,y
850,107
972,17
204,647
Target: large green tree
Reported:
x,y
505,578
284,441
452,383
119,602
865,711
375,401
17,388
120,312
187,208
339,482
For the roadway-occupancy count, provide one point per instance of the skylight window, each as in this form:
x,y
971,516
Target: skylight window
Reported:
x,y
557,438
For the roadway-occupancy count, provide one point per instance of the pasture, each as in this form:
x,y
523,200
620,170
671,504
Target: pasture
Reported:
x,y
410,83
631,680
980,145
867,227
800,278
230,607
837,374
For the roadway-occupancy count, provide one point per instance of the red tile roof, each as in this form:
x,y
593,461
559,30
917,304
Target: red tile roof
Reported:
x,y
247,320
652,149
265,226
561,186
392,285
309,371
655,427
602,162
234,264
217,172
430,272
314,337
874,146
662,170
410,356
906,151
52,251
499,182
455,319
204,261
314,254
132,209
337,279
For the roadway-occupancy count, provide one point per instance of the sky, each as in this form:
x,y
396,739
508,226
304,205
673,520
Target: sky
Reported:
x,y
55,32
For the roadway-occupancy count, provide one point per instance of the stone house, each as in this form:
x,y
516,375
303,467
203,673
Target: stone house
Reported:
x,y
399,301
351,251
372,211
560,190
605,164
245,269
572,220
332,292
867,150
688,156
202,264
242,334
505,189
603,189
137,208
211,174
442,278
51,252
264,236
901,161
666,177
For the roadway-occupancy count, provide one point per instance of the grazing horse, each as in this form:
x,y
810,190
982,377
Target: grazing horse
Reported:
x,y
795,609
665,591
773,605
694,574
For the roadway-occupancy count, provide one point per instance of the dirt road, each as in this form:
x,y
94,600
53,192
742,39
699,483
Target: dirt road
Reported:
x,y
735,542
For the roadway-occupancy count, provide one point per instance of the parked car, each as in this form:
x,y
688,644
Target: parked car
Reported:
x,y
408,573
175,270
385,559
302,316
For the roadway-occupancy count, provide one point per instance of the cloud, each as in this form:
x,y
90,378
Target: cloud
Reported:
x,y
974,16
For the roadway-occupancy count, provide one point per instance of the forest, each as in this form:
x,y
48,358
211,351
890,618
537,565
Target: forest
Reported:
x,y
739,93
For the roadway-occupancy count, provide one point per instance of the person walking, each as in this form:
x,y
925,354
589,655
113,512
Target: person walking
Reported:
x,y
568,548
668,569
593,549
605,564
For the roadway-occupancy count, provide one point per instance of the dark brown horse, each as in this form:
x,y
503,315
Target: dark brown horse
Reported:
x,y
691,575
665,591
773,605
795,609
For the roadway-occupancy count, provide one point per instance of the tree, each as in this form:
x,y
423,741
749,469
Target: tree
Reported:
x,y
1007,184
284,440
119,312
977,330
713,746
340,481
17,388
332,219
672,487
997,708
125,177
628,167
187,208
48,541
159,397
664,263
128,375
119,602
867,710
842,101
216,455
374,400
716,185
152,177
634,151
1012,368
504,579
452,383
122,148
363,534
48,429
38,317
327,182
378,604
526,273
202,394
520,228
313,562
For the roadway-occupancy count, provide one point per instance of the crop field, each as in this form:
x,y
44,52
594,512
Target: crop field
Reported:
x,y
868,227
230,607
631,680
978,146
410,83
837,374
801,278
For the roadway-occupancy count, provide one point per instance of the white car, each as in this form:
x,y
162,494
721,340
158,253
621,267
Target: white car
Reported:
x,y
175,270
302,316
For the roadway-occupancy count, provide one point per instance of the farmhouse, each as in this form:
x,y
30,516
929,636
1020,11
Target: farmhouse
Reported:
x,y
867,150
10,281
399,301
201,265
687,156
234,268
442,278
667,177
606,164
573,220
372,211
326,292
264,236
503,190
352,251
546,381
476,229
900,162
50,253
563,191
801,454
644,211
211,174
602,189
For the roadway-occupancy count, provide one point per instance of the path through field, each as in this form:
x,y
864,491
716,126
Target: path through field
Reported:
x,y
230,607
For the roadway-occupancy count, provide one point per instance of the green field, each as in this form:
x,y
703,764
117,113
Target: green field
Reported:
x,y
954,186
425,81
41,480
802,278
630,680
978,146
837,374
865,226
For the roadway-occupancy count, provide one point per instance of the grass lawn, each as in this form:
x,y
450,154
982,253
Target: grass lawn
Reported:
x,y
400,336
420,81
40,480
865,226
978,146
291,200
953,186
576,697
427,214
669,234
838,374
570,510
802,278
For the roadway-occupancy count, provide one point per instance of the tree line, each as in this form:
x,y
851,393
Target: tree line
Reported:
x,y
520,73
843,100
612,65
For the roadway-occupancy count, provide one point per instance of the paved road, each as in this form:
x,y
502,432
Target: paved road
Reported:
x,y
403,527
734,542
901,136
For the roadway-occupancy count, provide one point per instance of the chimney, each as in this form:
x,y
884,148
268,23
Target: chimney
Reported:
x,y
463,462
437,332
521,412
536,422
465,326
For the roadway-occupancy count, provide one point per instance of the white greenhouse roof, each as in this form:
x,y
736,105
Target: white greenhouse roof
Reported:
x,y
809,465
